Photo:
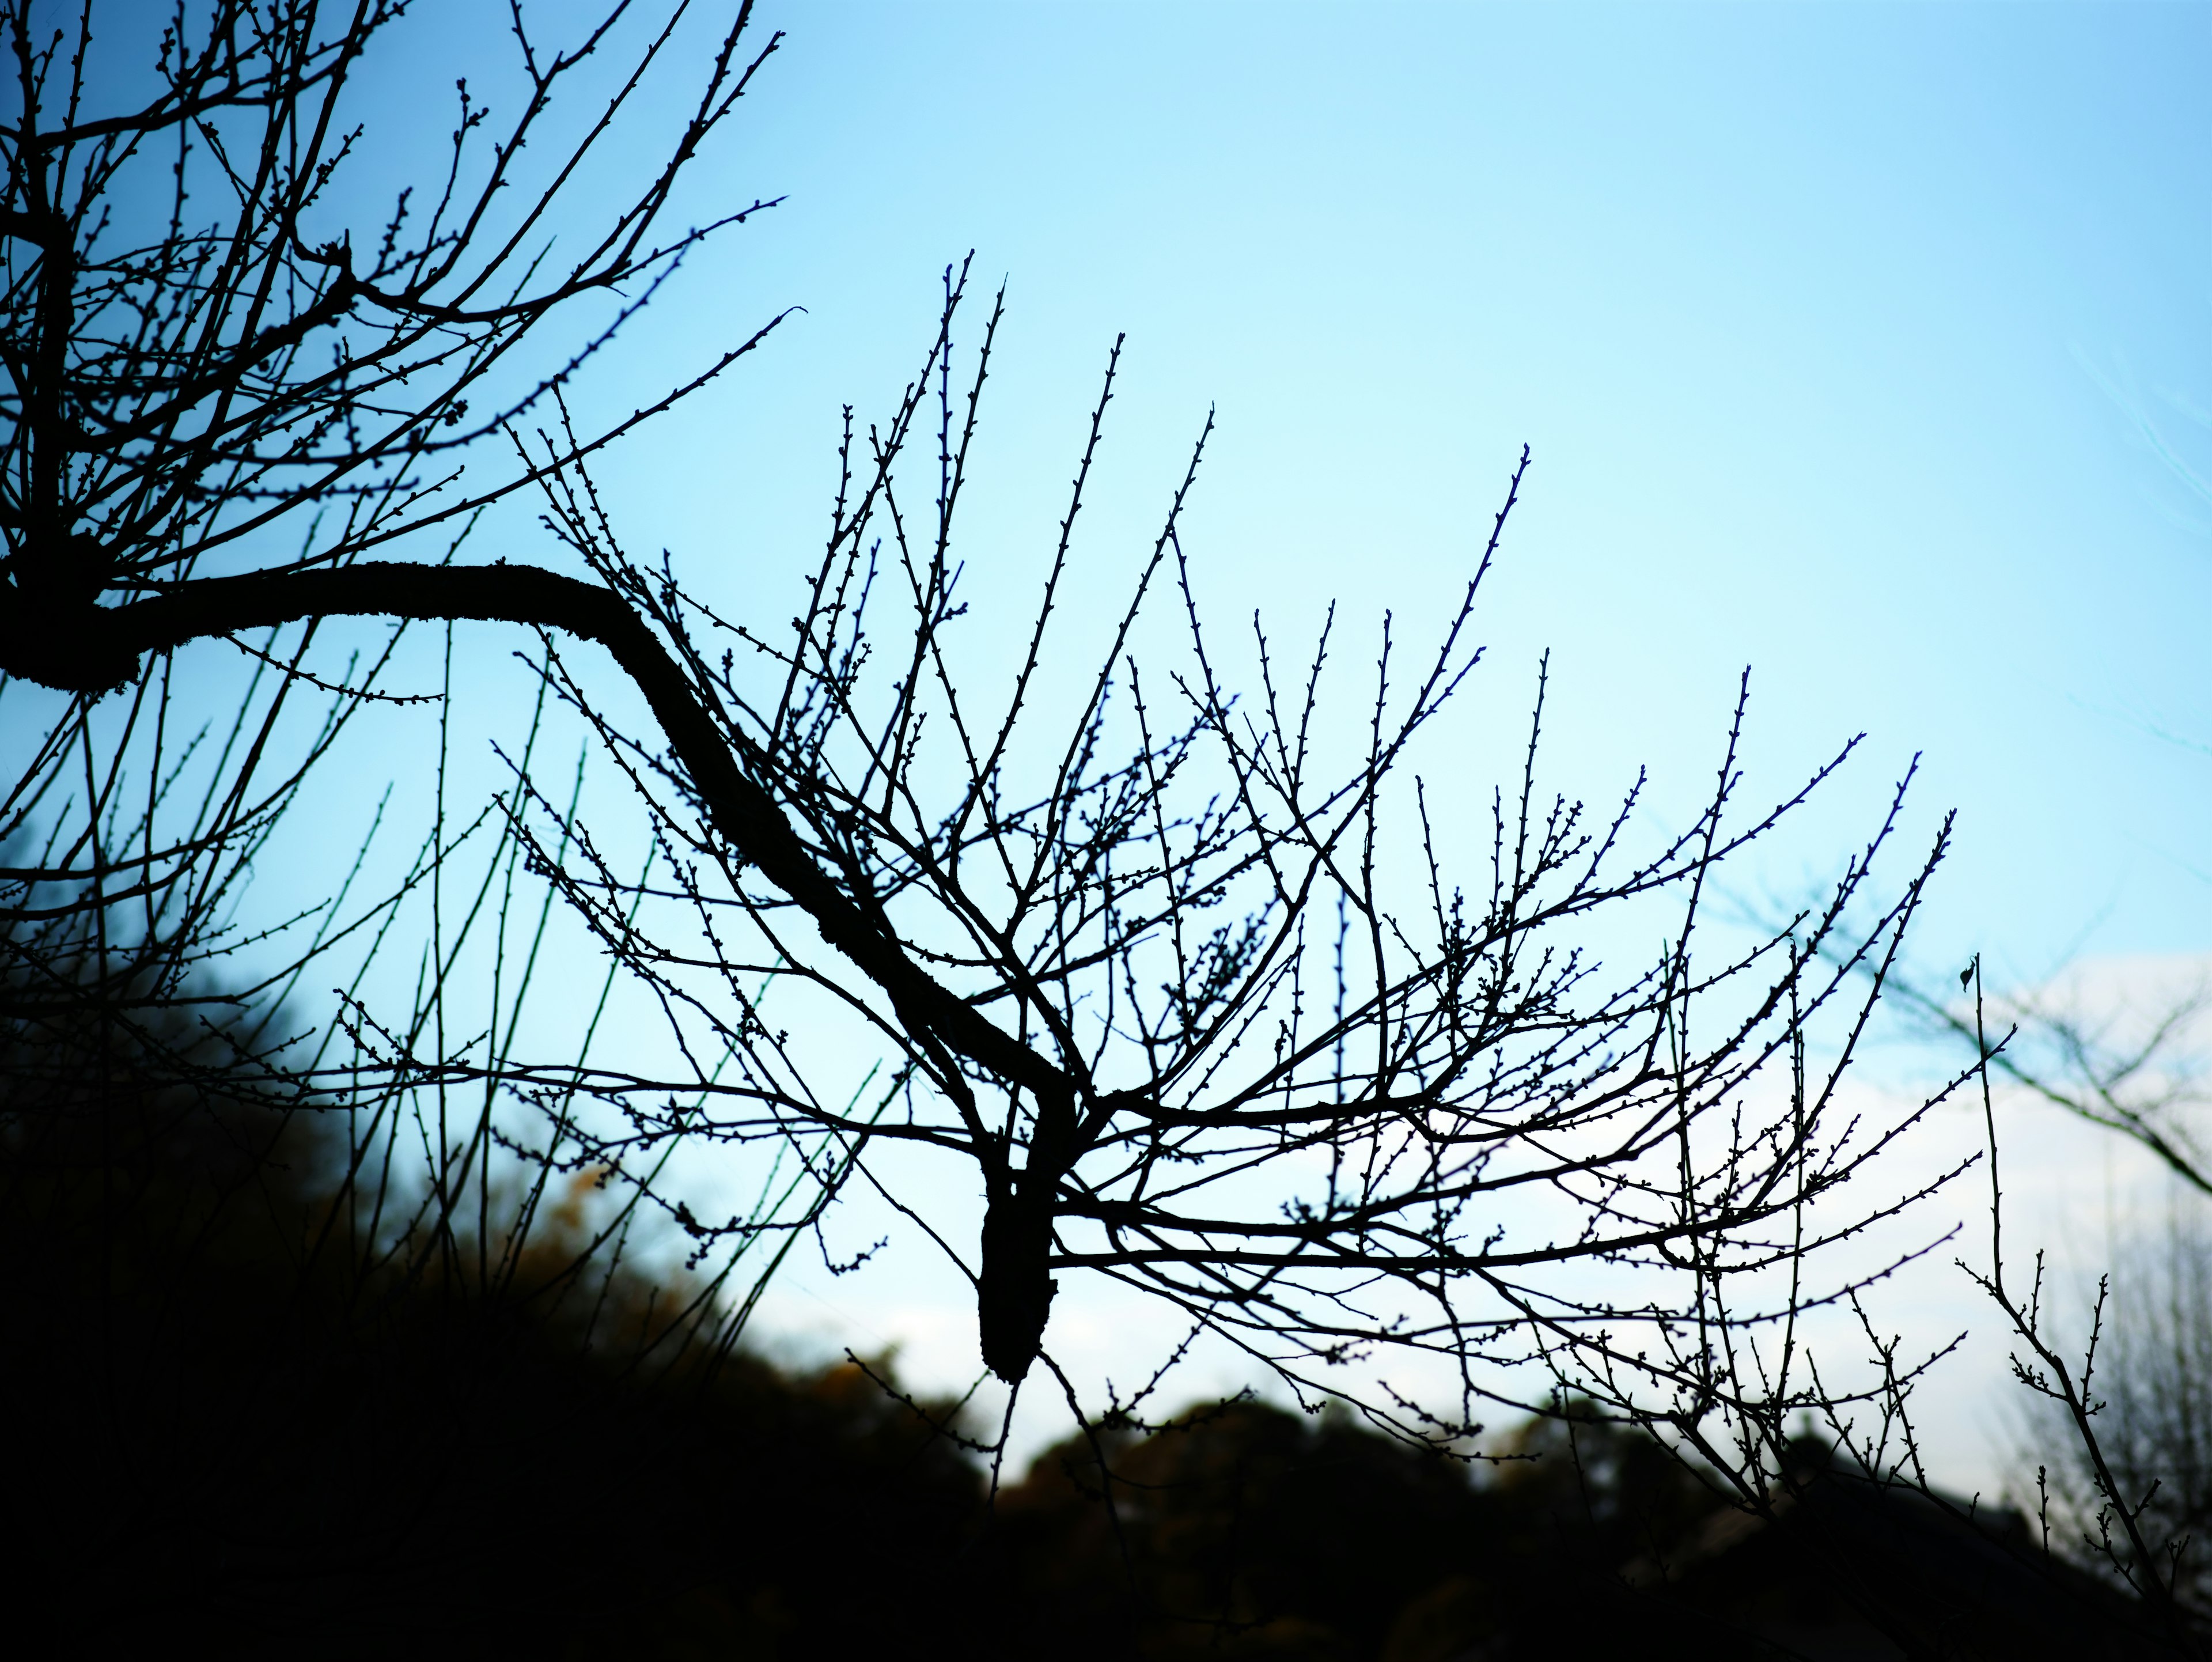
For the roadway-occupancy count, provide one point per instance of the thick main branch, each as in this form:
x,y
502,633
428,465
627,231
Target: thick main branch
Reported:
x,y
93,648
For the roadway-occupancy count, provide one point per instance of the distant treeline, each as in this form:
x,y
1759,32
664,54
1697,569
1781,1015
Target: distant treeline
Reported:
x,y
235,1431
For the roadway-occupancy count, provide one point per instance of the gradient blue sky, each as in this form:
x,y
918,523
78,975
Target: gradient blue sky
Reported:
x,y
1832,329
1846,339
1839,335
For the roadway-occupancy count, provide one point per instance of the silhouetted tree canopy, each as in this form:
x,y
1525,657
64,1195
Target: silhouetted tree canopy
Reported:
x,y
1168,955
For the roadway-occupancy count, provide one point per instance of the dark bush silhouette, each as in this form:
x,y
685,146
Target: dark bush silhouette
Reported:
x,y
1246,1530
225,1440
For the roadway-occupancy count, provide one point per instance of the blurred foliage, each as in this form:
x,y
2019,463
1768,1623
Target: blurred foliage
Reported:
x,y
242,1427
1243,1530
235,1429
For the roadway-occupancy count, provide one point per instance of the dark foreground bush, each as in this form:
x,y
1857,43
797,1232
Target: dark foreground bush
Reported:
x,y
236,1430
236,1425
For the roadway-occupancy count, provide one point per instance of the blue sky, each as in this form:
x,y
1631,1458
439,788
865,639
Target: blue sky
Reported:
x,y
1830,328
1839,336
1836,333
